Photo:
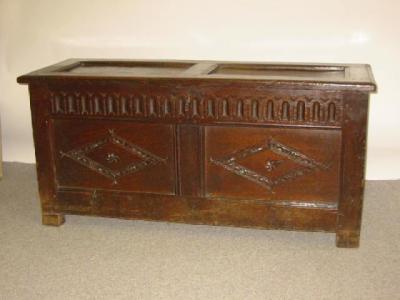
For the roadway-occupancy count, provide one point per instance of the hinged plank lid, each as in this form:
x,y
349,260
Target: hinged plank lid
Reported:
x,y
290,75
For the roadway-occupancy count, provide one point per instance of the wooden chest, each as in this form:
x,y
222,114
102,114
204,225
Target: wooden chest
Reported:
x,y
279,146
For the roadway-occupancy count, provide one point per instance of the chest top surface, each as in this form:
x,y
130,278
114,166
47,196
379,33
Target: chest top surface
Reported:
x,y
288,75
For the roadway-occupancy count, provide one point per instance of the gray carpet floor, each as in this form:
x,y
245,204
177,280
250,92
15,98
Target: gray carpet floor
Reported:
x,y
99,258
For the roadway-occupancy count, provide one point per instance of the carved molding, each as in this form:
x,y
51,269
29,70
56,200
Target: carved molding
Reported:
x,y
326,110
80,155
307,164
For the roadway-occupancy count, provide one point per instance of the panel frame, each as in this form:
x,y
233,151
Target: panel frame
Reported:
x,y
107,176
335,134
191,206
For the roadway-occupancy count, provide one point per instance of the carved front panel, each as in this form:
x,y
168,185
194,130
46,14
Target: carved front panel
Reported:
x,y
273,164
114,155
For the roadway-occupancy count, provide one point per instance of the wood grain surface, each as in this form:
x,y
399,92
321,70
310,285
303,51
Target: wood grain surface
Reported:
x,y
279,146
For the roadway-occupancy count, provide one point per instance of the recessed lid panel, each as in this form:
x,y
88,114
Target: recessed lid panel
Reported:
x,y
133,68
281,71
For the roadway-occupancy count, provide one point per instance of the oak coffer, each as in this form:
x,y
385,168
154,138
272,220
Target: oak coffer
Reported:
x,y
278,146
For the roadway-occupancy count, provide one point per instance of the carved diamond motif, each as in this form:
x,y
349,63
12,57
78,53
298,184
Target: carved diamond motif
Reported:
x,y
146,158
305,163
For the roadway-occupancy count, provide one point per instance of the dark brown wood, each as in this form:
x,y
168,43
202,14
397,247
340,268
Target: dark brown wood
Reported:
x,y
279,146
296,164
198,210
43,149
147,166
353,166
53,219
190,157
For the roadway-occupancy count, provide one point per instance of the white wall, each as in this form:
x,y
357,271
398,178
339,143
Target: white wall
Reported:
x,y
37,33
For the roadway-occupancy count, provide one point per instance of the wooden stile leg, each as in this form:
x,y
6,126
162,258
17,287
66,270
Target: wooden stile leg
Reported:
x,y
53,219
353,158
347,239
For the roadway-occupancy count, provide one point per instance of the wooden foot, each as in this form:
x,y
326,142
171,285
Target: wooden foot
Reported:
x,y
53,219
347,239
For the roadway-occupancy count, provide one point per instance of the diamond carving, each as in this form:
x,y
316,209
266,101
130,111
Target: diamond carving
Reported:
x,y
81,156
305,164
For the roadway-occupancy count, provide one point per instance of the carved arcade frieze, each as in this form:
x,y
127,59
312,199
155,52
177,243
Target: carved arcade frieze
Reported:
x,y
297,110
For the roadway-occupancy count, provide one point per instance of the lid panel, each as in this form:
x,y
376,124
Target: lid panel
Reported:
x,y
128,68
286,75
